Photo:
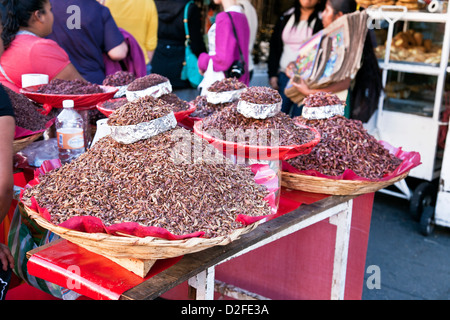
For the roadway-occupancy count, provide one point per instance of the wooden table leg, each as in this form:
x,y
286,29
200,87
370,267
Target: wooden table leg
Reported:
x,y
203,284
342,220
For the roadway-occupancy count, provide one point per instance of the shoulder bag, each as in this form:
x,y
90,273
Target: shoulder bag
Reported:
x,y
190,70
237,69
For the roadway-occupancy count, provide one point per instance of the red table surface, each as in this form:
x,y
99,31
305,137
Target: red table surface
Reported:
x,y
70,266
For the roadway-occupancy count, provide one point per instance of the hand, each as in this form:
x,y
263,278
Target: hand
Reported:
x,y
302,87
273,81
290,69
6,257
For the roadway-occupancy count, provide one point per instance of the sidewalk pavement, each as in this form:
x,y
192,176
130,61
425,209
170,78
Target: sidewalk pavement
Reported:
x,y
412,266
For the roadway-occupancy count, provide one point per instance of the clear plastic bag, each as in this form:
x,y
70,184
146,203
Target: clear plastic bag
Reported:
x,y
39,151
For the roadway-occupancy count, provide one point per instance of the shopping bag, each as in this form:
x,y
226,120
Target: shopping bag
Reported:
x,y
293,94
190,70
210,76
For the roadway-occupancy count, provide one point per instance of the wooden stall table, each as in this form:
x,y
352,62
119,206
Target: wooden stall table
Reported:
x,y
199,270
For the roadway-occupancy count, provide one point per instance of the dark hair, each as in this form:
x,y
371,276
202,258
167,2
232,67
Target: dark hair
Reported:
x,y
18,13
320,6
344,6
368,84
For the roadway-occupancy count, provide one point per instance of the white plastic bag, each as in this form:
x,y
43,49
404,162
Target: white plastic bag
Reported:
x,y
210,77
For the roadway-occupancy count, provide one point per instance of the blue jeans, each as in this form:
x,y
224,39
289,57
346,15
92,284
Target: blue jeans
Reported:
x,y
287,106
296,110
287,103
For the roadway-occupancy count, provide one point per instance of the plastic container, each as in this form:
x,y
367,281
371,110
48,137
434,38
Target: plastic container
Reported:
x,y
70,133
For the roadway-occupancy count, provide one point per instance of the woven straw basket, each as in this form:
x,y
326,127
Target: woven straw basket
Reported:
x,y
22,143
141,252
332,186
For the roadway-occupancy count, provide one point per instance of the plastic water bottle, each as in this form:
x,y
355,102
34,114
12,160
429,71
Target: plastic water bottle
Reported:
x,y
69,133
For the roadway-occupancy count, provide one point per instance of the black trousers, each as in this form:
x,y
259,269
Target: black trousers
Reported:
x,y
5,278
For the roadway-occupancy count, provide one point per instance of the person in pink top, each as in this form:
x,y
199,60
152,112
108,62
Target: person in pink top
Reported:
x,y
223,48
26,25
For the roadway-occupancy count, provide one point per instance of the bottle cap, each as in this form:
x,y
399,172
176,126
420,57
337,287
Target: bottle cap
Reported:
x,y
67,104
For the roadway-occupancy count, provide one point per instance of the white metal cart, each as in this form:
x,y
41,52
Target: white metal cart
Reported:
x,y
412,131
440,214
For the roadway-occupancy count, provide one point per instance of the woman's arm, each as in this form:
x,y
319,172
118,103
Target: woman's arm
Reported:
x,y
335,87
113,40
225,43
7,129
7,125
119,52
69,73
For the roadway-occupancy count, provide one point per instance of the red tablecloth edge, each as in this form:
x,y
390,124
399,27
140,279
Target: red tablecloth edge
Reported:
x,y
87,273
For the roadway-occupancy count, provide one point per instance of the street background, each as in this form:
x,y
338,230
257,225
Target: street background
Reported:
x,y
412,266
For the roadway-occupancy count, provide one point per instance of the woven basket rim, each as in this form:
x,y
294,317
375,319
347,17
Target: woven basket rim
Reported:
x,y
29,137
342,187
298,175
22,142
119,244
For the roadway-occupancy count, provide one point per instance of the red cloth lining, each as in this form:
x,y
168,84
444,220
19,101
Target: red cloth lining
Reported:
x,y
76,268
22,132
